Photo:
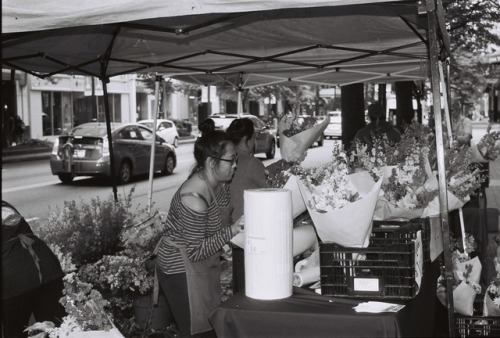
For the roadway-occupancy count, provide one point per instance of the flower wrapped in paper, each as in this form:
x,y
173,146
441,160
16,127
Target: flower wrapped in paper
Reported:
x,y
491,307
409,188
488,146
283,174
340,204
462,179
298,134
408,184
466,276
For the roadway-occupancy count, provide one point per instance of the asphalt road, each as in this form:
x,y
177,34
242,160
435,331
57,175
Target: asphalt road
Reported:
x,y
31,187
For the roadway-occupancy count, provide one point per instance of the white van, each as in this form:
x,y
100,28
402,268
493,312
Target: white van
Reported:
x,y
334,128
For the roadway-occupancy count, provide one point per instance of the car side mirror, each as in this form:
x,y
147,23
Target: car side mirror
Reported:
x,y
161,128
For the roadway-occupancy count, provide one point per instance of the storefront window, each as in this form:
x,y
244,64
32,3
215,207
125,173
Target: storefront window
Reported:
x,y
52,116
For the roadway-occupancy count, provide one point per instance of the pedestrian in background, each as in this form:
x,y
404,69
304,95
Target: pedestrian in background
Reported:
x,y
18,130
378,126
197,228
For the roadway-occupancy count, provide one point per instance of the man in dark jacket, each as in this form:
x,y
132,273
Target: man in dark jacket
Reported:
x,y
31,276
377,127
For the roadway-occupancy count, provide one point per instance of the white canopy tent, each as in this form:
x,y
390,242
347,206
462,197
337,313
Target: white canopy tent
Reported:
x,y
237,43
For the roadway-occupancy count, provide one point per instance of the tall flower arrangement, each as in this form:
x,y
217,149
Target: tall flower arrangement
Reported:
x,y
409,184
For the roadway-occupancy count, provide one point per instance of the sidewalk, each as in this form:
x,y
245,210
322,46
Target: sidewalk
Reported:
x,y
41,153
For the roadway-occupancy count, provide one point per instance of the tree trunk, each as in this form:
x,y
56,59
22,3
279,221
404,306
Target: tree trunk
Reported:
x,y
404,105
353,111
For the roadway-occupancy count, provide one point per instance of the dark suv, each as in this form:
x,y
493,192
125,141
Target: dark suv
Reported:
x,y
265,141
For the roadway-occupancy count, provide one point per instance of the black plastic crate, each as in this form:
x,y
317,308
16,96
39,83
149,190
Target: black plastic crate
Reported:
x,y
477,326
386,272
387,232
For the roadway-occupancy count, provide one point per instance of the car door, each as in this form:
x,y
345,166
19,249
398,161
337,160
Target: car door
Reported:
x,y
166,131
160,154
128,146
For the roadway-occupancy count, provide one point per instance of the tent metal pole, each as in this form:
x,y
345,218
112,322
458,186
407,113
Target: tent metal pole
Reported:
x,y
110,137
158,80
443,196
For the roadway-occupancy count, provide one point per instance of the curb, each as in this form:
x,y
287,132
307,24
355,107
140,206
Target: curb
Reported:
x,y
35,154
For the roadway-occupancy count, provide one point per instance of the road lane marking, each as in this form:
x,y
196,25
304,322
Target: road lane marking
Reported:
x,y
31,186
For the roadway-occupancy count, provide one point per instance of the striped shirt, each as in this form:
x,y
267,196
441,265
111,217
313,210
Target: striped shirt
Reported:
x,y
201,233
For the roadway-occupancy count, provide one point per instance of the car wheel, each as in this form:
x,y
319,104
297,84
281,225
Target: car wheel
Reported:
x,y
272,151
168,169
66,178
125,172
176,142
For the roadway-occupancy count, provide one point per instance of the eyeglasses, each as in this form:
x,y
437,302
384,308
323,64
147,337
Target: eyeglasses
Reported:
x,y
232,161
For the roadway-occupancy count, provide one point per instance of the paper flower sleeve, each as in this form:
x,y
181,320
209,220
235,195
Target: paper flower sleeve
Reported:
x,y
294,148
349,226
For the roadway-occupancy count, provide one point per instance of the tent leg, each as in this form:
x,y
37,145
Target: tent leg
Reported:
x,y
158,80
110,140
443,199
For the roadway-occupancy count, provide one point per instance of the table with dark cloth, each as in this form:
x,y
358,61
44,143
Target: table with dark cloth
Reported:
x,y
307,314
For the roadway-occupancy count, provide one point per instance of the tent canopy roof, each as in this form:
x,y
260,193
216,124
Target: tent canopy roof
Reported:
x,y
220,42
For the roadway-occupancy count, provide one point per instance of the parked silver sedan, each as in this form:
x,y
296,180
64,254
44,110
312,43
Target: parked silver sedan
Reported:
x,y
85,152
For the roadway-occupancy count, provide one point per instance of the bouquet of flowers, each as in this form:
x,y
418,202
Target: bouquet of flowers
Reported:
x,y
466,276
297,135
491,305
282,174
462,179
373,160
409,184
340,203
489,145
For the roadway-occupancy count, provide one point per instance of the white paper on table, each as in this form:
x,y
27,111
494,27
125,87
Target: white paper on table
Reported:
x,y
307,270
268,243
436,240
378,307
351,225
298,205
304,238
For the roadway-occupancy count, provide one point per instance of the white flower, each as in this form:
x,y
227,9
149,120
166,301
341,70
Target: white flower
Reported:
x,y
497,301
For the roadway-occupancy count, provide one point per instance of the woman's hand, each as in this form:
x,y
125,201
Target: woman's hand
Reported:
x,y
238,226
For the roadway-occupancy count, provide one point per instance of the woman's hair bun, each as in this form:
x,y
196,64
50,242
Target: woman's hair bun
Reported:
x,y
207,126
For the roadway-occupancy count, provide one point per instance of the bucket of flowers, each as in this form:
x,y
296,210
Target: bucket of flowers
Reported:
x,y
340,203
466,275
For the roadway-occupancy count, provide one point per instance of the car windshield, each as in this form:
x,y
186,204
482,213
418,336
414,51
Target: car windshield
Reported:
x,y
94,129
147,124
222,123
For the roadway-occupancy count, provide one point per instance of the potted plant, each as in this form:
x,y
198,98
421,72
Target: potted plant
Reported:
x,y
110,245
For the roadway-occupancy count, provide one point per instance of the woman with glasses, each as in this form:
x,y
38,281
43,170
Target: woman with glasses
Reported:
x,y
197,227
250,175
